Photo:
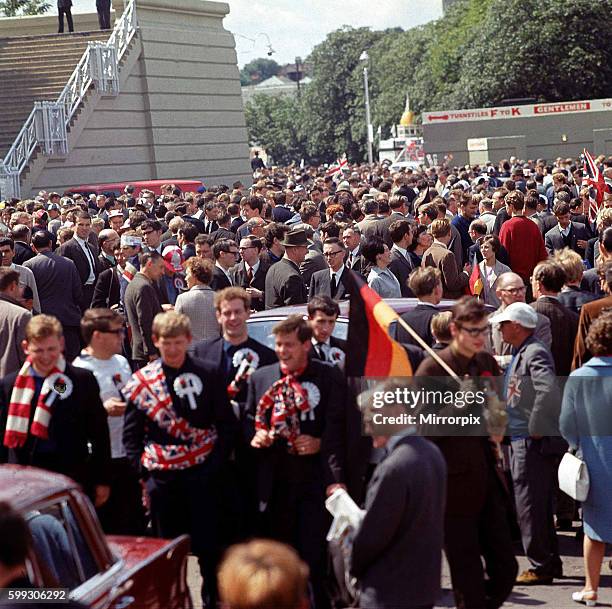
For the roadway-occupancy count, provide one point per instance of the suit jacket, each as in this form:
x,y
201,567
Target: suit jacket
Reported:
x,y
535,403
320,285
542,332
59,287
222,233
574,297
382,228
369,226
284,285
73,251
219,280
236,224
334,342
563,325
314,261
281,214
239,277
358,264
211,228
588,314
454,281
13,320
403,528
401,267
199,224
142,304
326,420
547,221
554,241
107,292
79,442
198,304
103,263
23,252
419,319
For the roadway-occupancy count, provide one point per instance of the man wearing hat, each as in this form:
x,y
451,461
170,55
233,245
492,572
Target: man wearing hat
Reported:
x,y
115,220
55,222
284,282
174,278
533,402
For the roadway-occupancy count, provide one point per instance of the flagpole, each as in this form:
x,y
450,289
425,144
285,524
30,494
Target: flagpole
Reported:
x,y
428,349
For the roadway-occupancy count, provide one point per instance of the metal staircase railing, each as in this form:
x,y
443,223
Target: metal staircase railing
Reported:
x,y
47,125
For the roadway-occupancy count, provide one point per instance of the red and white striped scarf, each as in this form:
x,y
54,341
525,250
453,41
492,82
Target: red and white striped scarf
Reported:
x,y
287,399
148,390
19,410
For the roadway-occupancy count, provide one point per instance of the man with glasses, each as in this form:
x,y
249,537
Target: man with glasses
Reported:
x,y
511,289
151,233
103,332
250,274
329,282
226,255
478,504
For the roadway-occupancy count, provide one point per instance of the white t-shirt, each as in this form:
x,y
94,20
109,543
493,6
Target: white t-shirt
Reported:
x,y
112,374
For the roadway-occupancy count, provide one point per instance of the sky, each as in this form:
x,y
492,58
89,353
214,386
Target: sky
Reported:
x,y
294,28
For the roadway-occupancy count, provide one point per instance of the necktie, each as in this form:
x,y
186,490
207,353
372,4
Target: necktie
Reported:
x,y
350,260
249,275
333,285
90,259
321,351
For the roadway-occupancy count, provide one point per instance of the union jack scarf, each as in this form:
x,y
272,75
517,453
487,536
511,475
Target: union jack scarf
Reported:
x,y
147,389
286,399
19,409
244,371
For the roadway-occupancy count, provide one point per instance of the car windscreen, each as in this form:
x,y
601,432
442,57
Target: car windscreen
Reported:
x,y
261,330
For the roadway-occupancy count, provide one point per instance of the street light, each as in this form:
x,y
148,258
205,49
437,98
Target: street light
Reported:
x,y
365,58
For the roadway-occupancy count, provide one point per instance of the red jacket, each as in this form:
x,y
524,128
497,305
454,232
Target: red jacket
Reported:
x,y
523,240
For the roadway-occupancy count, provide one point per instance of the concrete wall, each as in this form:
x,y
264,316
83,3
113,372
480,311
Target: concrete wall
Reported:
x,y
179,113
526,138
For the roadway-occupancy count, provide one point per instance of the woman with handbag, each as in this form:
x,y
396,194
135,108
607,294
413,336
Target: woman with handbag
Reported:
x,y
586,424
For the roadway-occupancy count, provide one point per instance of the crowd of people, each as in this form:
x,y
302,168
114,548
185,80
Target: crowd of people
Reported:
x,y
127,364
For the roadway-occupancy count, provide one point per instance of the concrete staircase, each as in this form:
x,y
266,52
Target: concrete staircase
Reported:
x,y
36,68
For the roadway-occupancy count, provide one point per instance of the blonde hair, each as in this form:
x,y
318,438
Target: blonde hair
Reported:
x,y
440,326
571,262
171,324
440,228
262,574
43,326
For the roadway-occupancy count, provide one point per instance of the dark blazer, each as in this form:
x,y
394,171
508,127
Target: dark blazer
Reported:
x,y
553,240
72,250
77,421
314,261
211,228
591,282
592,250
401,267
588,314
382,228
338,343
281,214
419,319
142,304
188,251
219,280
284,285
222,233
574,297
103,263
320,285
107,290
23,252
236,224
359,264
239,277
199,224
327,422
59,287
403,528
563,326
547,221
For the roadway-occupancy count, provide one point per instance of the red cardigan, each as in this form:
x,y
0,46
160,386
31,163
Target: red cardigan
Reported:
x,y
523,240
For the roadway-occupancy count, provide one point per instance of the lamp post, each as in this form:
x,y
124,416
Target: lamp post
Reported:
x,y
298,61
365,58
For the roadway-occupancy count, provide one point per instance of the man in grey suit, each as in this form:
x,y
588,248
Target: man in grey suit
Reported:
x,y
533,399
142,304
329,282
370,225
198,302
13,320
567,233
59,290
397,550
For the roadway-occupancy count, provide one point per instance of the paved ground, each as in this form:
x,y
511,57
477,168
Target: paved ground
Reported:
x,y
555,596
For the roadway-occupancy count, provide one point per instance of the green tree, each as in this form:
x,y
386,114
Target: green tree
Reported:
x,y
14,8
273,122
258,70
334,116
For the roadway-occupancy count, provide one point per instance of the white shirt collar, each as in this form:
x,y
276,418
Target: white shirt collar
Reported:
x,y
337,273
401,250
253,268
355,252
220,267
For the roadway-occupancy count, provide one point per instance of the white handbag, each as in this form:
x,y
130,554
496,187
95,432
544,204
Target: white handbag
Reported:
x,y
574,477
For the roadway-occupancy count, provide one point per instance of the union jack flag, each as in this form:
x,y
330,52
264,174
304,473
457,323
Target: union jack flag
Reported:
x,y
594,178
340,164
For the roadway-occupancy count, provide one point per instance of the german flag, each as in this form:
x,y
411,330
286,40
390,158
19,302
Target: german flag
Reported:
x,y
370,351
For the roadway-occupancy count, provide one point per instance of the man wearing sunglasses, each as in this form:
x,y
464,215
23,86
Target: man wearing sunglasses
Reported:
x,y
329,282
103,331
478,503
